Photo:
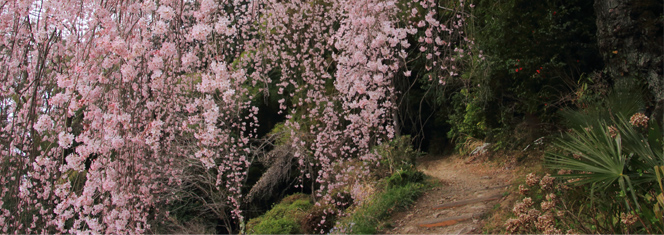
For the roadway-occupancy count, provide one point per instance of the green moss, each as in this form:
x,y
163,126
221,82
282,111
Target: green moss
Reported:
x,y
283,218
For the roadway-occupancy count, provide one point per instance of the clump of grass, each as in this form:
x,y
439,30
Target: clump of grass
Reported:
x,y
283,218
401,190
403,177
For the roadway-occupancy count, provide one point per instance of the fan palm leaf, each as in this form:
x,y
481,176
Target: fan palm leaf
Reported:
x,y
601,161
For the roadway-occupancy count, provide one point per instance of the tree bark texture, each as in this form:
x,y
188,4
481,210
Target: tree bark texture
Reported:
x,y
629,34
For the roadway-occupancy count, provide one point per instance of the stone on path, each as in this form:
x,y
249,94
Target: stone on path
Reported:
x,y
468,201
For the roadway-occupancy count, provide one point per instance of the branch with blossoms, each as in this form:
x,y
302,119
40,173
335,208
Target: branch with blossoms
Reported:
x,y
106,106
101,104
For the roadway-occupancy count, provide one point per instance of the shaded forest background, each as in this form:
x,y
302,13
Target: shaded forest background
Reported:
x,y
540,58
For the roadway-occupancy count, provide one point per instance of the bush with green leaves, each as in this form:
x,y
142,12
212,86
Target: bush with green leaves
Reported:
x,y
469,118
398,153
536,53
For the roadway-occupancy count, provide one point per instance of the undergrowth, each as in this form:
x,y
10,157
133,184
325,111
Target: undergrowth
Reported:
x,y
283,218
604,175
400,191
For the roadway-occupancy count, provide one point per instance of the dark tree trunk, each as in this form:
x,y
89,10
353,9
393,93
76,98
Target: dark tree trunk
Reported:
x,y
629,35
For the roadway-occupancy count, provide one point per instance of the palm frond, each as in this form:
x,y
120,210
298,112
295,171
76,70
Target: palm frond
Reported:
x,y
600,158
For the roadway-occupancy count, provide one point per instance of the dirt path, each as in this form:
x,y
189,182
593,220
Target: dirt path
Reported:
x,y
468,190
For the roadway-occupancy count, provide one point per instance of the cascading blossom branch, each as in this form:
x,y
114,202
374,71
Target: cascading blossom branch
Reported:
x,y
369,40
339,78
102,101
103,104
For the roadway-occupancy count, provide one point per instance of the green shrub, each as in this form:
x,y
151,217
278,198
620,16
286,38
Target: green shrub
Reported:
x,y
283,218
398,153
535,54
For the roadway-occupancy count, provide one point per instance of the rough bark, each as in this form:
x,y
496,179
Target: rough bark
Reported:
x,y
279,176
629,35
